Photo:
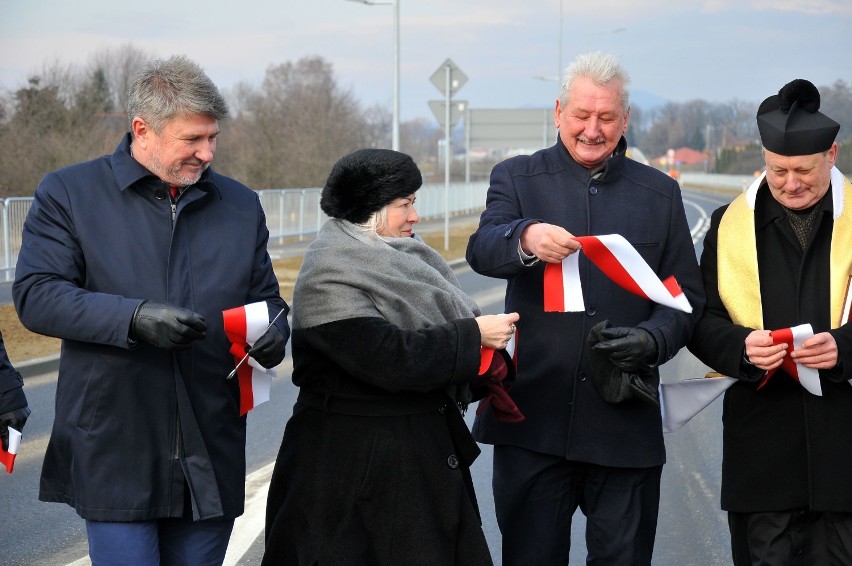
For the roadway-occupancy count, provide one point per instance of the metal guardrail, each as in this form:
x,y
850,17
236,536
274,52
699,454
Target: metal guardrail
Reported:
x,y
290,213
716,181
295,213
13,212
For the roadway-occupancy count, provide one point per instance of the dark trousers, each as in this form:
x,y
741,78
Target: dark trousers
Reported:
x,y
535,496
791,538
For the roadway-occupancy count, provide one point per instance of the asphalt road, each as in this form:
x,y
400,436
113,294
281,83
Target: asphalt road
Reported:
x,y
692,530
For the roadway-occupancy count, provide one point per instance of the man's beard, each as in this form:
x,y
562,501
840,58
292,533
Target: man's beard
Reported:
x,y
173,175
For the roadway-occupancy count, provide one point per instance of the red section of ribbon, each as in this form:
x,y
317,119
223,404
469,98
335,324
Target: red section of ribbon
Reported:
x,y
782,336
7,459
485,357
554,292
672,286
600,255
236,330
244,375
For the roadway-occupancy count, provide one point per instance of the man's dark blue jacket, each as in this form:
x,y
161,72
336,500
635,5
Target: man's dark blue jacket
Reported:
x,y
564,414
133,422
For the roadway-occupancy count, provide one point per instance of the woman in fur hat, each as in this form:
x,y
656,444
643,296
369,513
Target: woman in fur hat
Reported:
x,y
387,352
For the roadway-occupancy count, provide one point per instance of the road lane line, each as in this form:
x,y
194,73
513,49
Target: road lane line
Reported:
x,y
250,524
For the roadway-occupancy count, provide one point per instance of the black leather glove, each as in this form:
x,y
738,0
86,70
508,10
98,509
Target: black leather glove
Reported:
x,y
614,384
629,349
15,419
269,349
166,326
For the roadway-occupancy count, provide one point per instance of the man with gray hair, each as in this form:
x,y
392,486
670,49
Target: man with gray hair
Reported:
x,y
131,260
587,377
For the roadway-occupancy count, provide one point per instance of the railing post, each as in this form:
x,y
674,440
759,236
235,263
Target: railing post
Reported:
x,y
7,245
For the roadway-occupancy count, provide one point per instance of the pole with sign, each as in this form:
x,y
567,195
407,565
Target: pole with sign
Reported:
x,y
448,78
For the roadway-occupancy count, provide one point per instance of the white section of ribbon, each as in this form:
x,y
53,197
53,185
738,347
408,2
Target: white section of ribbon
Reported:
x,y
261,383
642,273
682,400
257,320
14,440
808,377
572,289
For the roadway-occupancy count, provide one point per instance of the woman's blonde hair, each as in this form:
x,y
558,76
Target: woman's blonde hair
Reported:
x,y
377,221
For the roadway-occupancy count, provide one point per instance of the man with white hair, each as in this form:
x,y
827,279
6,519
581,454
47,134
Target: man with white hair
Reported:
x,y
586,380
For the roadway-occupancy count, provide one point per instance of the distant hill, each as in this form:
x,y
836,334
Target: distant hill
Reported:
x,y
646,100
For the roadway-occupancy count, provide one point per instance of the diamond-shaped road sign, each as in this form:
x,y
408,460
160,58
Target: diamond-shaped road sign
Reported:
x,y
439,77
457,108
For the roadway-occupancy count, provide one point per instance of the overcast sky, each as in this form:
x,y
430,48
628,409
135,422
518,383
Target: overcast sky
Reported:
x,y
716,50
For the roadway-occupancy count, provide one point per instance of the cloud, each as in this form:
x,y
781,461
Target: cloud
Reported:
x,y
819,7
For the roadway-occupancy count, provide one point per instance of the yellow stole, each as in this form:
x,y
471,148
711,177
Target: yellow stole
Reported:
x,y
736,255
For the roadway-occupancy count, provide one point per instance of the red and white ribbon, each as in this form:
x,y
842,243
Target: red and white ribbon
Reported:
x,y
621,263
7,457
682,400
793,337
243,326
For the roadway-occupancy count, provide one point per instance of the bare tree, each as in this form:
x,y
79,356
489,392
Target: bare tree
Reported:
x,y
294,127
836,101
118,65
62,116
378,121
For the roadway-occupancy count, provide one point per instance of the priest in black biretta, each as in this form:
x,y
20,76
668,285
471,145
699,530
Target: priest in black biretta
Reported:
x,y
777,261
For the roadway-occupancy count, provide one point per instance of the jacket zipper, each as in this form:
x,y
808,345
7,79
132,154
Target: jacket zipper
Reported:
x,y
178,443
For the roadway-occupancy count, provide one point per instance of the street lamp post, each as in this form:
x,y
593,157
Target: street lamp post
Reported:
x,y
560,70
395,111
560,74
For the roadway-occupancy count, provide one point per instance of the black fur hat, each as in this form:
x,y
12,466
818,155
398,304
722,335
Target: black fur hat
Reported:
x,y
790,122
364,181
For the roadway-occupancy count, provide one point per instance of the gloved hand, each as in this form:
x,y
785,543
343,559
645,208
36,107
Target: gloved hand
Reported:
x,y
167,326
629,349
612,383
15,419
269,349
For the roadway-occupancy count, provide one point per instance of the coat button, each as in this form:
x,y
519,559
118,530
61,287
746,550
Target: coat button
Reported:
x,y
452,461
590,311
593,190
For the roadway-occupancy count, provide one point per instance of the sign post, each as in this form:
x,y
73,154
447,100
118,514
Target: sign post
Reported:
x,y
447,78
